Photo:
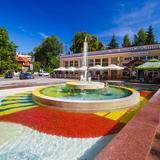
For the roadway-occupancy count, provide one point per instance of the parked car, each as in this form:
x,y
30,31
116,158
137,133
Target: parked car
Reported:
x,y
8,75
36,73
26,76
44,74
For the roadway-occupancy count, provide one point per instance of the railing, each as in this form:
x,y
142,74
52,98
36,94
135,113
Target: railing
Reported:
x,y
119,50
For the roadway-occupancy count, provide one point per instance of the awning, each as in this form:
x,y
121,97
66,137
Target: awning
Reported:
x,y
152,64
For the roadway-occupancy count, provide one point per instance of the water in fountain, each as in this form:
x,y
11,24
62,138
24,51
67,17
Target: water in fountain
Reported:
x,y
85,49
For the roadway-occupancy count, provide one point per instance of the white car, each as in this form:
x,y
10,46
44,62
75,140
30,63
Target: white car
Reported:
x,y
44,74
16,74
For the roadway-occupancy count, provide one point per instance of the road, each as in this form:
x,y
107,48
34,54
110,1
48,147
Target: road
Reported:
x,y
38,81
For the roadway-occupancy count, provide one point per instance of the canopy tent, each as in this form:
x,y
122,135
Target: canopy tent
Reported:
x,y
61,69
96,67
71,69
113,67
151,65
83,68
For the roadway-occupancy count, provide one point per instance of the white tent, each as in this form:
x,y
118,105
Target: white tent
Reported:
x,y
96,67
71,69
113,67
61,69
83,68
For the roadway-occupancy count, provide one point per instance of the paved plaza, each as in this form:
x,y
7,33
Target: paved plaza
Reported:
x,y
37,81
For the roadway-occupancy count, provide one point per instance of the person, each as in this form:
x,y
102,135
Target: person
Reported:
x,y
133,74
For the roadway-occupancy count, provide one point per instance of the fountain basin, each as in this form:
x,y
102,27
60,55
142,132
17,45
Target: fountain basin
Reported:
x,y
82,85
86,105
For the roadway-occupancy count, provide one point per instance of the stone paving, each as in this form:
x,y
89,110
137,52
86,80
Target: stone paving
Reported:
x,y
147,134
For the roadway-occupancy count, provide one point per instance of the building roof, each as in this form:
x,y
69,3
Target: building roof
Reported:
x,y
23,59
118,50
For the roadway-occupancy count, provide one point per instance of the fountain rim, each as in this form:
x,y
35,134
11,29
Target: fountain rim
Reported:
x,y
36,92
87,106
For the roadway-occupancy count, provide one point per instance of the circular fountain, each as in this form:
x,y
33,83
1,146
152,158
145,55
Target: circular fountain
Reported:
x,y
85,95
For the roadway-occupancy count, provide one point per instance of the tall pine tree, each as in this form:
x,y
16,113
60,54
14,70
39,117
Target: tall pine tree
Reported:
x,y
113,43
150,36
141,37
135,40
126,41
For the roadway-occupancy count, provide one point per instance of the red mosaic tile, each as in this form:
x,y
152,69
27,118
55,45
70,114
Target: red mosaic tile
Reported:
x,y
61,123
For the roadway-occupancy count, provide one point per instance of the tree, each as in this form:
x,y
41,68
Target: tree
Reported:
x,y
7,52
78,41
150,36
141,37
101,46
135,40
113,43
126,41
92,43
47,53
36,66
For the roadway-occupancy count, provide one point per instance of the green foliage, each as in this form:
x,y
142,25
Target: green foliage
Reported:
x,y
36,66
126,41
140,38
150,36
135,40
113,43
78,41
101,46
49,69
7,52
31,54
7,65
47,53
92,43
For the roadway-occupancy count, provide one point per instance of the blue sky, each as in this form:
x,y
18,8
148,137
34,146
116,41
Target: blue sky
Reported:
x,y
29,21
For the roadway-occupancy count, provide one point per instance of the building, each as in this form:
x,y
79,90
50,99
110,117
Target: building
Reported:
x,y
24,61
130,57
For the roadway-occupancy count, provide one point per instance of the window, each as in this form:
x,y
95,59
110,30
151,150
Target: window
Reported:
x,y
142,57
75,63
149,57
121,59
136,58
97,62
114,60
66,63
156,57
126,59
71,63
81,63
105,62
90,62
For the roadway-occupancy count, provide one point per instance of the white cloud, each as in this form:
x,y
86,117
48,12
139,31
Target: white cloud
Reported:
x,y
139,15
42,34
129,22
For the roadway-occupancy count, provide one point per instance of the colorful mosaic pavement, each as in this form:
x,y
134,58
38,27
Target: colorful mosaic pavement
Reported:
x,y
19,115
